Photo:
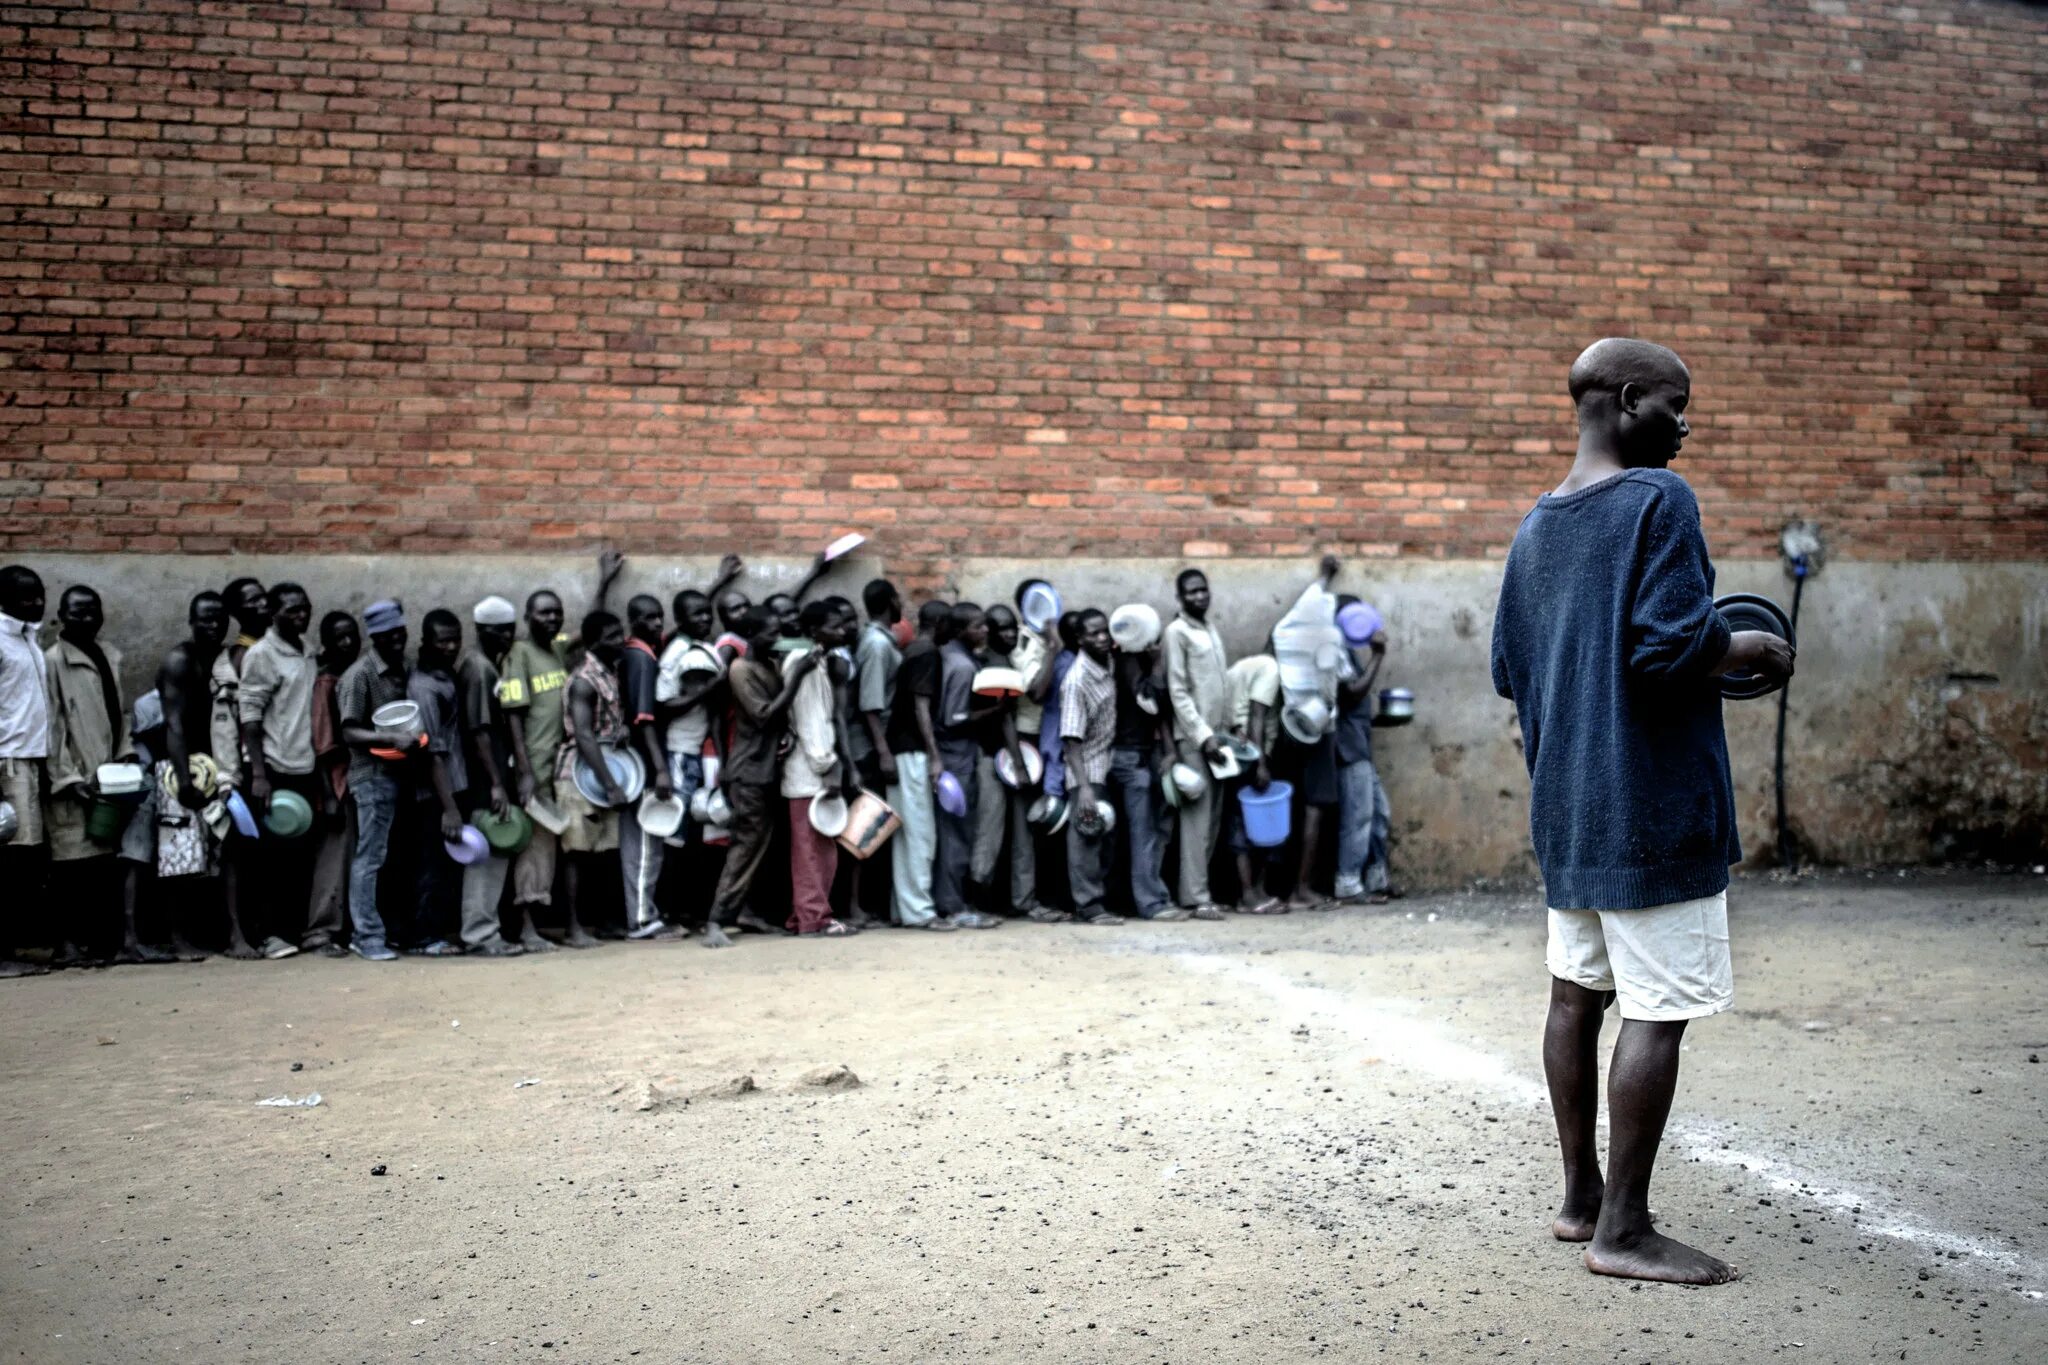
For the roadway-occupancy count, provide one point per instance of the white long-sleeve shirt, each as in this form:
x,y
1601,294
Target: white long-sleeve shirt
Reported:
x,y
24,692
1195,667
813,761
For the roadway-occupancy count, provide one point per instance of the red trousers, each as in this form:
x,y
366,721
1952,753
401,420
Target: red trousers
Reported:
x,y
813,860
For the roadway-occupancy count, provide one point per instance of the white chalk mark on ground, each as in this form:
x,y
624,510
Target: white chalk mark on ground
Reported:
x,y
1401,1037
1868,1210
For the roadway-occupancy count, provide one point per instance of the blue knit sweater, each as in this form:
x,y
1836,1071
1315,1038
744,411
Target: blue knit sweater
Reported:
x,y
1604,639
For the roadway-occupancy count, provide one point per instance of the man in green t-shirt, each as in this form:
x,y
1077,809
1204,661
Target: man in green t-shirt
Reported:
x,y
532,687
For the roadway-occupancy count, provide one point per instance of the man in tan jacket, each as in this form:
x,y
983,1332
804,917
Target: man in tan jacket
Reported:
x,y
88,727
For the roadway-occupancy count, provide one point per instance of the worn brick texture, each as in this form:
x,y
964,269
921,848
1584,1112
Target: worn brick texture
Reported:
x,y
1123,277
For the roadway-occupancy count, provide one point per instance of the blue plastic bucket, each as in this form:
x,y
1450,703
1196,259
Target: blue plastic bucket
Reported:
x,y
1268,815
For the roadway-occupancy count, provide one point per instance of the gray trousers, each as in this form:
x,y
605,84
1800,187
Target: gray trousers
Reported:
x,y
328,904
997,811
1136,790
1087,870
483,887
915,846
1200,824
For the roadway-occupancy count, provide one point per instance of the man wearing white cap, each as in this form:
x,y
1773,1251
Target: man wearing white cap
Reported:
x,y
492,760
1196,686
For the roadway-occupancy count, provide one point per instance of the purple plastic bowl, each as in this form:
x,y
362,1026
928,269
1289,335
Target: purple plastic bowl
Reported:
x,y
468,847
952,799
1359,622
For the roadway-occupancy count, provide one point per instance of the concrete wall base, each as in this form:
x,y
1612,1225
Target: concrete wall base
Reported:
x,y
1918,725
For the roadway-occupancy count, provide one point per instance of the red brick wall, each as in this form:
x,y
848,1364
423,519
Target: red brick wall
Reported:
x,y
1147,277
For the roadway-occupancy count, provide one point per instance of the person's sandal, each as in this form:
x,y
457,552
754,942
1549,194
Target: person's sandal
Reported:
x,y
833,929
1206,912
1105,918
1045,914
1271,905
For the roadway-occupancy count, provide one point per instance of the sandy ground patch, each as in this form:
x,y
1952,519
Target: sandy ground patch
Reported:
x,y
1262,1140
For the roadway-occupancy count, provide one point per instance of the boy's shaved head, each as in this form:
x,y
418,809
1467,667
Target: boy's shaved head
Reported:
x,y
1610,363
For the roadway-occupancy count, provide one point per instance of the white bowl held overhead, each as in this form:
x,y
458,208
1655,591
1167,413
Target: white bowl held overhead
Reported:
x,y
1134,626
1039,608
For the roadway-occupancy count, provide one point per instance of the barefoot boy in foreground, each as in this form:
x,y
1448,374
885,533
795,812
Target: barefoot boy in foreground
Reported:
x,y
1608,643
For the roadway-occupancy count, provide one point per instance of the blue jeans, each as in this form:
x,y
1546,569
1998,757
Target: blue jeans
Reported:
x,y
376,801
1363,823
1052,749
1140,815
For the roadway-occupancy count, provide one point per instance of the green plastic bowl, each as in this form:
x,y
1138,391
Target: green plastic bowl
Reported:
x,y
508,836
290,815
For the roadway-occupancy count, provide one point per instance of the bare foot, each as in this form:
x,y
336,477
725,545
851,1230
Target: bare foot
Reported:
x,y
1574,1224
716,937
534,943
579,938
1653,1256
185,951
242,952
754,924
142,952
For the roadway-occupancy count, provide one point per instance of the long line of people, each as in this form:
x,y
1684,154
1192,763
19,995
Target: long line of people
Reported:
x,y
726,767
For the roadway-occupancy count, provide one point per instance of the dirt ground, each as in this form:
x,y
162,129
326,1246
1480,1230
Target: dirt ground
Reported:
x,y
1261,1140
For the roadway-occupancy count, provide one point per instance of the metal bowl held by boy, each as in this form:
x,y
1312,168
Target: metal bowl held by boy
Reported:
x,y
1748,611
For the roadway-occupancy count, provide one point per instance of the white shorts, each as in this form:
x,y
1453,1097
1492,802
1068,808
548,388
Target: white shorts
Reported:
x,y
1666,962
